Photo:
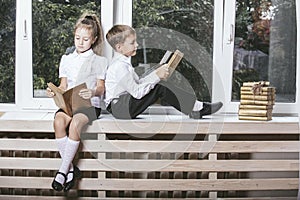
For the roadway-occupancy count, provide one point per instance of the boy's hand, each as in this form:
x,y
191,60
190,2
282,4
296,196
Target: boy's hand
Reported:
x,y
86,93
50,93
163,72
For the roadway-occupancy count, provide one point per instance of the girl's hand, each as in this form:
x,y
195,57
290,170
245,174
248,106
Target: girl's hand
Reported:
x,y
163,72
50,93
86,93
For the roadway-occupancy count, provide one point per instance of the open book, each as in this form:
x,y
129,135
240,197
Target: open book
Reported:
x,y
170,58
69,101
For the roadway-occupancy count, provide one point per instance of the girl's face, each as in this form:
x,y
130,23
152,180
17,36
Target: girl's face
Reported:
x,y
83,39
129,47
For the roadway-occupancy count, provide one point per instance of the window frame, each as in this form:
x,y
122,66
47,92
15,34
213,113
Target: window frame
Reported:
x,y
25,99
224,14
224,64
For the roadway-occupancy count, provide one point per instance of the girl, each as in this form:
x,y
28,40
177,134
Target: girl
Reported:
x,y
83,65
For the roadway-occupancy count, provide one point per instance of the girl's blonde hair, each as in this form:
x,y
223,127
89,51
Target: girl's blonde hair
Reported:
x,y
92,22
118,34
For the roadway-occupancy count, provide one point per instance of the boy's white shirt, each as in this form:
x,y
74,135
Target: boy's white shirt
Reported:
x,y
122,79
85,67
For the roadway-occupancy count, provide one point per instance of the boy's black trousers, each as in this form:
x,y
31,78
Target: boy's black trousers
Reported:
x,y
128,107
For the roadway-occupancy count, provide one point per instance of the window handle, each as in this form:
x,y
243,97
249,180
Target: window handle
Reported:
x,y
25,35
230,40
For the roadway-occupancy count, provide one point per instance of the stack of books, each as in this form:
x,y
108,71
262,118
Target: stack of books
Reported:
x,y
257,101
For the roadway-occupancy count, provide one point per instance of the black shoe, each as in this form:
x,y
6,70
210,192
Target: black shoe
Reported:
x,y
208,109
76,175
56,185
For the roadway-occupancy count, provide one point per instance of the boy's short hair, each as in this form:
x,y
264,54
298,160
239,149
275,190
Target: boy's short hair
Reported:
x,y
118,34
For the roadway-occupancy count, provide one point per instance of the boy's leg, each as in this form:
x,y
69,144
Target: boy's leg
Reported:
x,y
127,107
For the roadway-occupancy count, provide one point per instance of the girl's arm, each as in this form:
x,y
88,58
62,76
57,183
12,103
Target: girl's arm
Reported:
x,y
89,93
63,83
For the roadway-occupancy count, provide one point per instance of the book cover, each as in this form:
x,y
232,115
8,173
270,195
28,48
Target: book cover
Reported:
x,y
69,100
169,58
251,84
256,102
262,93
263,89
174,61
267,118
256,107
258,97
258,113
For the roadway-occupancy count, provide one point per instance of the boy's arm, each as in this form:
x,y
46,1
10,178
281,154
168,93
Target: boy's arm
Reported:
x,y
137,89
100,88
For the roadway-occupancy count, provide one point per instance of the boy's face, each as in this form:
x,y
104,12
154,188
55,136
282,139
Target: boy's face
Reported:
x,y
129,47
83,39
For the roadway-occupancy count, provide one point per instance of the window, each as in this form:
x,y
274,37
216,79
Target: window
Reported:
x,y
53,22
48,26
260,43
7,55
177,24
265,46
215,38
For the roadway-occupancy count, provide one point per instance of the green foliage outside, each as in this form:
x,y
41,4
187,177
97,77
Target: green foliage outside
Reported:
x,y
7,50
53,22
194,19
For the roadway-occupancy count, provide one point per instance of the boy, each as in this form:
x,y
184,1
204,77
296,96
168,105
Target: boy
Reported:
x,y
127,95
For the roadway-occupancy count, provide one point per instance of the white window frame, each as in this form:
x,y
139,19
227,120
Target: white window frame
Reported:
x,y
23,69
223,67
120,11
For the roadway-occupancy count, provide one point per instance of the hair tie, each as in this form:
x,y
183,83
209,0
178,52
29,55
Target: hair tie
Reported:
x,y
89,17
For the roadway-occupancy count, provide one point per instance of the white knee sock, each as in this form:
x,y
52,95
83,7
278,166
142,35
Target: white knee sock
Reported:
x,y
61,144
69,154
198,105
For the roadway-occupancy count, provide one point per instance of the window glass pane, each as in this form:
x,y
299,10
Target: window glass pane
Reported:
x,y
53,22
7,51
265,46
177,24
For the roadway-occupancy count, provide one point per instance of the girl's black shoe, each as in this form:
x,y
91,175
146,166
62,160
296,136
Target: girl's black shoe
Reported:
x,y
56,185
76,175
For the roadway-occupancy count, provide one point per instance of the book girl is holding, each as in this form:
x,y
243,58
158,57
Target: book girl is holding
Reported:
x,y
84,65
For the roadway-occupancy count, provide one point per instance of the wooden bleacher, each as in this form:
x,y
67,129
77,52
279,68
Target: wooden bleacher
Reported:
x,y
155,156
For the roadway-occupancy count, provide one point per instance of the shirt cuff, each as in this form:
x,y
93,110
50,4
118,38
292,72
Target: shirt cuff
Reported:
x,y
153,76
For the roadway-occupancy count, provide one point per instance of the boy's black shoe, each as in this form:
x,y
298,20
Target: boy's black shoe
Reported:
x,y
208,109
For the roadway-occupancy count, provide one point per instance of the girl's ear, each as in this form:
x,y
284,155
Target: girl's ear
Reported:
x,y
95,39
118,47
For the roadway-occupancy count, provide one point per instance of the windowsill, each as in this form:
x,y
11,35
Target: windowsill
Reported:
x,y
153,113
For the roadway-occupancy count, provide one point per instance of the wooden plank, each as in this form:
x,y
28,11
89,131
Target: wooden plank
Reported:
x,y
131,165
168,124
157,184
30,197
261,128
195,184
18,144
